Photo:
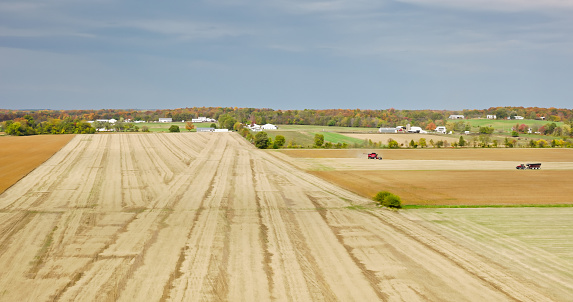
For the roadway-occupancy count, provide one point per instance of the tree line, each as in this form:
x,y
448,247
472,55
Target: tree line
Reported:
x,y
74,121
324,117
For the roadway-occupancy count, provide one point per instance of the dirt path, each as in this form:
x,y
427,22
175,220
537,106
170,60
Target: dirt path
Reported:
x,y
205,216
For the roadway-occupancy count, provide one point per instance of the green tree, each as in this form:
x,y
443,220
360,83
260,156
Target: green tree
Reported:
x,y
392,144
261,140
486,130
422,143
15,129
462,141
318,140
174,128
279,140
387,199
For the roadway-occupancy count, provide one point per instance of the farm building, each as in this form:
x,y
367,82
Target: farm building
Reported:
x,y
269,127
204,129
415,129
387,130
111,121
441,129
220,130
203,119
456,117
491,117
165,120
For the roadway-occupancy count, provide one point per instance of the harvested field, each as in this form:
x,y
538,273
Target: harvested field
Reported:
x,y
481,154
535,237
446,176
205,216
461,187
21,154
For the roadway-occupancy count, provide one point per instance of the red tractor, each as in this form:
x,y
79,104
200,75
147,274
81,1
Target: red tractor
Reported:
x,y
374,156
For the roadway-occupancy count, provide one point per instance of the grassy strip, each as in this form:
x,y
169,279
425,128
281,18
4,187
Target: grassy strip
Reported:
x,y
488,206
336,138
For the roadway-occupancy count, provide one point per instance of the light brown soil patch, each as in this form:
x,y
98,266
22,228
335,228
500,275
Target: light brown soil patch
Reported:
x,y
460,187
490,154
21,154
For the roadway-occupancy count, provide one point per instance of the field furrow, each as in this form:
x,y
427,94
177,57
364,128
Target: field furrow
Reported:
x,y
207,217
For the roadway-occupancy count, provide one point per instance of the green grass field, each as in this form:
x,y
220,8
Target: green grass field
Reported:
x,y
506,125
312,128
336,138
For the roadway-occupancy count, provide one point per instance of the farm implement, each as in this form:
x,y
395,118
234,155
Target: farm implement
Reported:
x,y
374,156
529,167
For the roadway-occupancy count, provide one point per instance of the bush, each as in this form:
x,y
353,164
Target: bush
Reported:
x,y
174,128
387,199
381,195
261,140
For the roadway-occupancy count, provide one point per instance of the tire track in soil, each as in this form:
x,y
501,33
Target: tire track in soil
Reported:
x,y
286,220
27,198
131,261
368,274
201,270
461,257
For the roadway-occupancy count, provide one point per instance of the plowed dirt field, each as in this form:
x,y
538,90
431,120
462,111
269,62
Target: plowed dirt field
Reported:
x,y
21,154
207,217
446,176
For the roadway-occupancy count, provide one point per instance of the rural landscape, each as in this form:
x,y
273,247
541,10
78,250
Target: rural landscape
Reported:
x,y
215,216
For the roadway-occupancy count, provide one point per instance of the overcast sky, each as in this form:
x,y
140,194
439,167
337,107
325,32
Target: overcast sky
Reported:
x,y
297,54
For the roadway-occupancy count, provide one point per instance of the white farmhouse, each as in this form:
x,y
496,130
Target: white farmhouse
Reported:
x,y
491,117
456,117
165,120
441,129
518,117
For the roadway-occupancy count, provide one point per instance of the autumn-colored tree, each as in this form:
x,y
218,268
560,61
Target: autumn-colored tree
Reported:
x,y
431,126
189,126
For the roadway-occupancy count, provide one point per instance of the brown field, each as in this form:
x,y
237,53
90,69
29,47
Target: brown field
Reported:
x,y
447,176
21,154
207,217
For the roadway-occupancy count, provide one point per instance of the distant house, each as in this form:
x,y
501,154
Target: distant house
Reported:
x,y
456,117
203,129
518,117
254,127
491,117
441,129
165,120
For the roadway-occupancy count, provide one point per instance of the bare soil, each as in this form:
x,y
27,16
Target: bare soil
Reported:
x,y
21,154
207,217
447,176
